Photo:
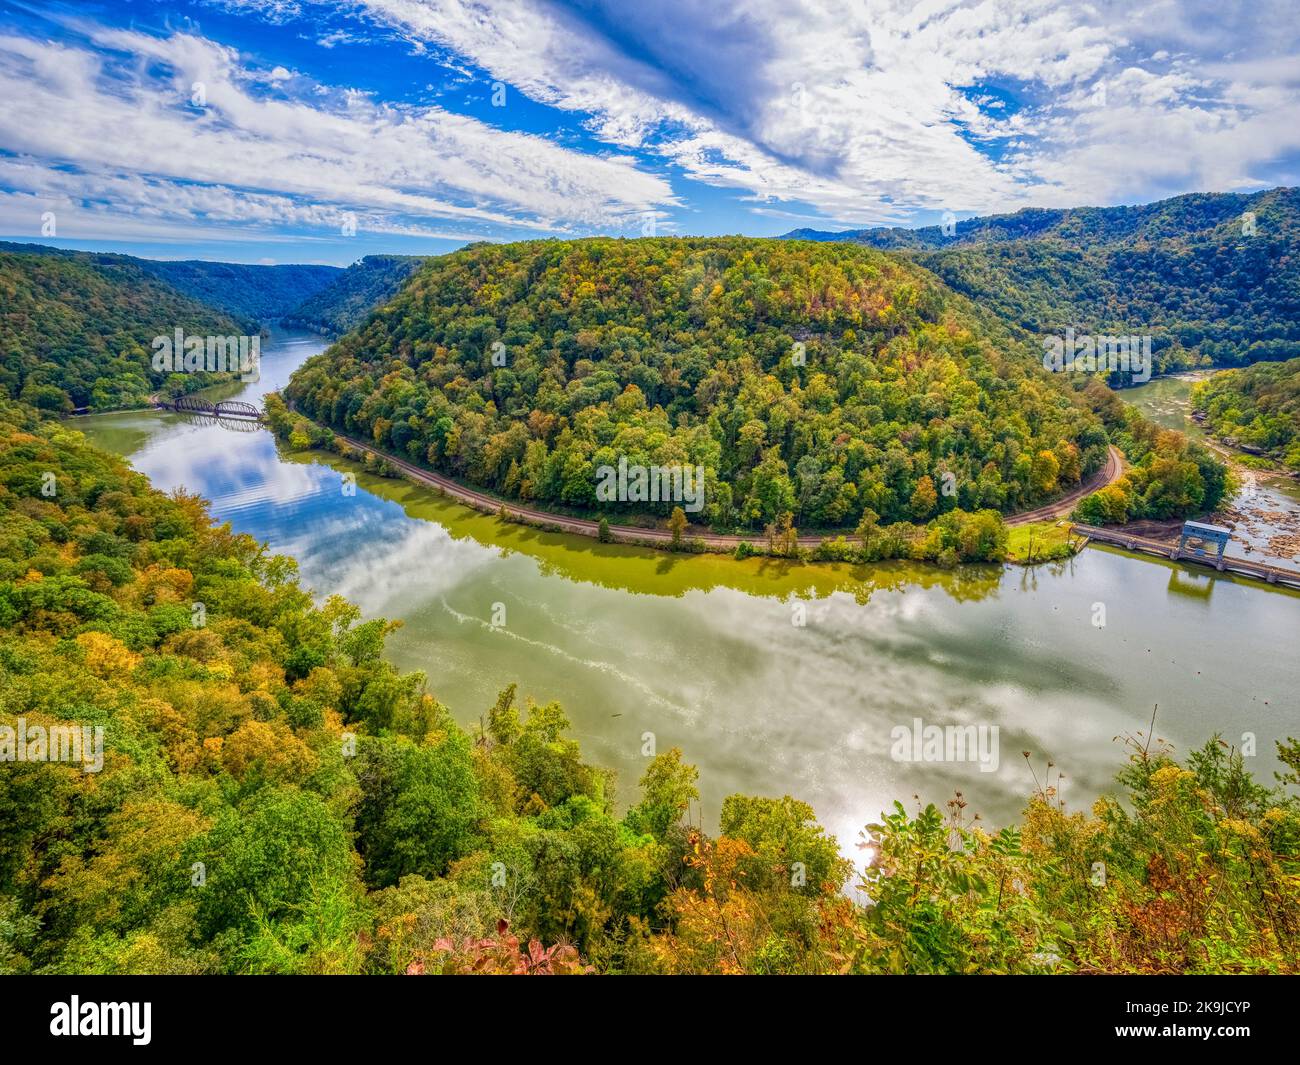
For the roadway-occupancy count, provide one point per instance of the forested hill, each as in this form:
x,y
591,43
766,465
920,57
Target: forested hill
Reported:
x,y
253,294
1256,408
344,303
1193,272
259,293
75,329
829,381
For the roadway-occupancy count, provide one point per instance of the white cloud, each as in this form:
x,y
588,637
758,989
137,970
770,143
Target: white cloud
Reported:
x,y
263,159
864,111
813,109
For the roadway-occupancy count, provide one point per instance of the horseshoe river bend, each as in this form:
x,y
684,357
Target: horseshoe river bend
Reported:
x,y
702,650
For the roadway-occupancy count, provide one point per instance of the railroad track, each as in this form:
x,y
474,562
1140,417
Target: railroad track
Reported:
x,y
1108,474
584,527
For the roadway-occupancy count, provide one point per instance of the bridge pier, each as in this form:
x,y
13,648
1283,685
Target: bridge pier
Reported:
x,y
1268,572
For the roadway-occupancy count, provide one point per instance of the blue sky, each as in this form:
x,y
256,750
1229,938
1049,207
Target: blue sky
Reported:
x,y
303,131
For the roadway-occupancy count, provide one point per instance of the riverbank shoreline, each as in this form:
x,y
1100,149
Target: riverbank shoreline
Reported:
x,y
1234,454
774,674
701,542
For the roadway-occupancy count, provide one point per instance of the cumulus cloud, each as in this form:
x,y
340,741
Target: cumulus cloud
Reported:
x,y
869,111
181,128
812,110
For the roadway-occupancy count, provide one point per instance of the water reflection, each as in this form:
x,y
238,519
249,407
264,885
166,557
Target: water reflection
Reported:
x,y
1194,586
705,653
638,571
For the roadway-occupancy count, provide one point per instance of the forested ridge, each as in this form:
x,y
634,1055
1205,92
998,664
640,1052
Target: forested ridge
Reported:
x,y
817,380
345,302
828,383
1214,278
253,294
1257,407
258,293
76,328
275,797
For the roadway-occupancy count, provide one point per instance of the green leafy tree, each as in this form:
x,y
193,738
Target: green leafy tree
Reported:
x,y
419,805
668,787
677,526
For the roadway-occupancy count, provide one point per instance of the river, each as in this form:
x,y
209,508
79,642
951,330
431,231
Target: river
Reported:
x,y
1264,514
706,653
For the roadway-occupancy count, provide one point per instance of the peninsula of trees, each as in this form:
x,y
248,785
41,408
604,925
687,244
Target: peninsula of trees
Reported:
x,y
1256,408
831,383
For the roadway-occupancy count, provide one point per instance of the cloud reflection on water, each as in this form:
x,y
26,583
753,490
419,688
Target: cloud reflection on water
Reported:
x,y
761,705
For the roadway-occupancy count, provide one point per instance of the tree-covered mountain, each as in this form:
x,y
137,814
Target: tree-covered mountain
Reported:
x,y
258,293
1084,227
344,303
76,329
252,294
1213,278
831,382
1256,407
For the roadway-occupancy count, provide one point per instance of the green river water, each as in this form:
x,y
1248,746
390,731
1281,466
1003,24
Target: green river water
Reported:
x,y
705,653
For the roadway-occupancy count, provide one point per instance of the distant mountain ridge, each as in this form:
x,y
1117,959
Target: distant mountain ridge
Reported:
x,y
343,304
1160,220
254,294
263,293
1213,277
75,325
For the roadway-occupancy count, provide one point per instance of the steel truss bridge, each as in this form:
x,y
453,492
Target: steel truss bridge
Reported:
x,y
226,408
